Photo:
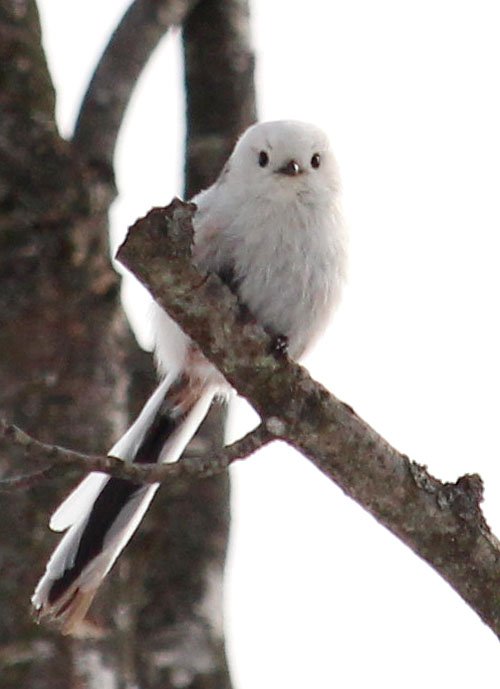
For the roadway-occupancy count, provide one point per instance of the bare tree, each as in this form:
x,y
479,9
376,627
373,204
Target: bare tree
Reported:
x,y
70,370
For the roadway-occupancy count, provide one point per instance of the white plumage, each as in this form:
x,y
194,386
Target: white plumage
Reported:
x,y
271,227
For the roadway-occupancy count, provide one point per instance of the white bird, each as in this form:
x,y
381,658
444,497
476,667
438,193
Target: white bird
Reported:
x,y
270,226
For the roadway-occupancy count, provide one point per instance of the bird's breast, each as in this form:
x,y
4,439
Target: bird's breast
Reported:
x,y
288,275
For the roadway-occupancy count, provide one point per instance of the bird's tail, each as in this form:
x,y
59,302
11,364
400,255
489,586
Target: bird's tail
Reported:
x,y
102,513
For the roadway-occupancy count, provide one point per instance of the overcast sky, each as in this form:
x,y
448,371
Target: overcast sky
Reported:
x,y
319,595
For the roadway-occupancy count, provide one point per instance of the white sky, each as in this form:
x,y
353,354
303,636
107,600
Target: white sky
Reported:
x,y
319,595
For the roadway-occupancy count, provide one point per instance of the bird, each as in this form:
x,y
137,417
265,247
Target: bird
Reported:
x,y
271,227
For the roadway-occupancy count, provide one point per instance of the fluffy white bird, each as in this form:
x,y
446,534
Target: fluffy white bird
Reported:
x,y
270,226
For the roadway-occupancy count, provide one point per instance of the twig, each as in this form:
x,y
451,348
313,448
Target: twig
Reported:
x,y
24,481
55,458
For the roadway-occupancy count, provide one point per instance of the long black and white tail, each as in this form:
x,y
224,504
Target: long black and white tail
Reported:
x,y
102,513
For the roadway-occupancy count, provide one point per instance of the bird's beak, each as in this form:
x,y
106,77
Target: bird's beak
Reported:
x,y
292,168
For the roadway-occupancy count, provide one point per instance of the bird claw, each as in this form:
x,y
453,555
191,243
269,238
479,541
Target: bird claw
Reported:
x,y
279,346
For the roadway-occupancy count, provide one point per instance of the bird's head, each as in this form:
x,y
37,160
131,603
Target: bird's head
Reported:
x,y
285,158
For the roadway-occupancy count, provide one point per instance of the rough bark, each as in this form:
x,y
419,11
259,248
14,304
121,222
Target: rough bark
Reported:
x,y
65,355
441,522
61,330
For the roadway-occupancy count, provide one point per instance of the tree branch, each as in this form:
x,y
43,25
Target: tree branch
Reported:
x,y
54,459
441,522
220,91
119,68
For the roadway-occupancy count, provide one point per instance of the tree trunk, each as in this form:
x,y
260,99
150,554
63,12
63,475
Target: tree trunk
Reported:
x,y
69,371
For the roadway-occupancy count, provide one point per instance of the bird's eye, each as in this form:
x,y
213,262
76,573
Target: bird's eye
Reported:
x,y
263,159
315,161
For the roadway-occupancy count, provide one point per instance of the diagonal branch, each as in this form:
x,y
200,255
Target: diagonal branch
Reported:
x,y
441,522
115,77
49,460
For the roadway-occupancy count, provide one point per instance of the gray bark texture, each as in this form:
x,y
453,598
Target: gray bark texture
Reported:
x,y
441,522
69,368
